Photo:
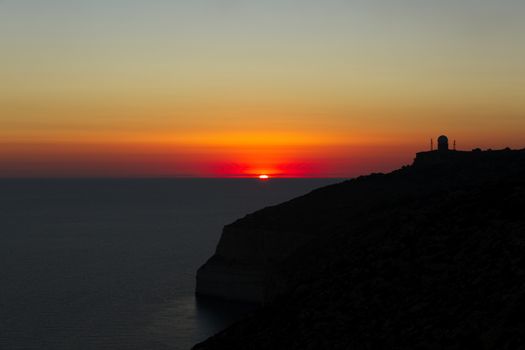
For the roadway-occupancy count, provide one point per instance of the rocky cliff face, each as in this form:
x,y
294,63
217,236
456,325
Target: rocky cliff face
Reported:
x,y
429,256
242,267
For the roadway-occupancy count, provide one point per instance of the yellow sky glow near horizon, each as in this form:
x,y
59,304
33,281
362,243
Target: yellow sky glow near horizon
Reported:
x,y
225,88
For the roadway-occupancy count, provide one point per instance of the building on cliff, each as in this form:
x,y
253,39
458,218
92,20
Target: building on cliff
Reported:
x,y
442,154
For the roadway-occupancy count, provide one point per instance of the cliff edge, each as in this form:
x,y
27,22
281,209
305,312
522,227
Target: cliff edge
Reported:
x,y
428,256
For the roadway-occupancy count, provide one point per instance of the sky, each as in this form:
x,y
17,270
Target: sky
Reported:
x,y
227,88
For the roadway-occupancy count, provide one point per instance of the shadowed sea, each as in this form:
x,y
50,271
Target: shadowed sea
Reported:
x,y
110,263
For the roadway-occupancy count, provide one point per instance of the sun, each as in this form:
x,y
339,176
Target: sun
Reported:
x,y
263,177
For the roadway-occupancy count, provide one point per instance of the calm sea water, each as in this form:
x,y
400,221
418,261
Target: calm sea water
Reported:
x,y
110,264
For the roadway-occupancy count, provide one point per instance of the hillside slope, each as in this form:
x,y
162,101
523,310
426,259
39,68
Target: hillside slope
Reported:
x,y
429,256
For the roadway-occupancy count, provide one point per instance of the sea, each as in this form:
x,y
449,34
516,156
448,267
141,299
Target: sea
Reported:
x,y
111,263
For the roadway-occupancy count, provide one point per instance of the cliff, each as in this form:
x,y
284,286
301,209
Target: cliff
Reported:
x,y
428,256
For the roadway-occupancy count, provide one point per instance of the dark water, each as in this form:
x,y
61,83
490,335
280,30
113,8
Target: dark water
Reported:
x,y
110,264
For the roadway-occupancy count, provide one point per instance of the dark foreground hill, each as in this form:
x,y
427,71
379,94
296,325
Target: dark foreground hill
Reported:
x,y
431,256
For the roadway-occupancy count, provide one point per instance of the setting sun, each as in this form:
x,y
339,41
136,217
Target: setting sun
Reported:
x,y
263,177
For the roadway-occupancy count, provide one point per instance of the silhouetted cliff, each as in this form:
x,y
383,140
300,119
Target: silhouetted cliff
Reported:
x,y
428,256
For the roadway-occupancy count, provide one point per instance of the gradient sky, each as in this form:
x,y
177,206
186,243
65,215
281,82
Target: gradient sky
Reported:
x,y
331,88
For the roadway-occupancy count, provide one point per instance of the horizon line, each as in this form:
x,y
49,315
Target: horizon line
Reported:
x,y
255,177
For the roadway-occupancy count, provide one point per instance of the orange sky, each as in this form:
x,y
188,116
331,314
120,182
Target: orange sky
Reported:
x,y
238,88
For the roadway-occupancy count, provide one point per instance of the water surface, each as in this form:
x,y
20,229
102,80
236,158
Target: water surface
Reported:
x,y
110,264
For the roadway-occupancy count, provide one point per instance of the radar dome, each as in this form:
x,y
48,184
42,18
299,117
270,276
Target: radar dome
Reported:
x,y
443,143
